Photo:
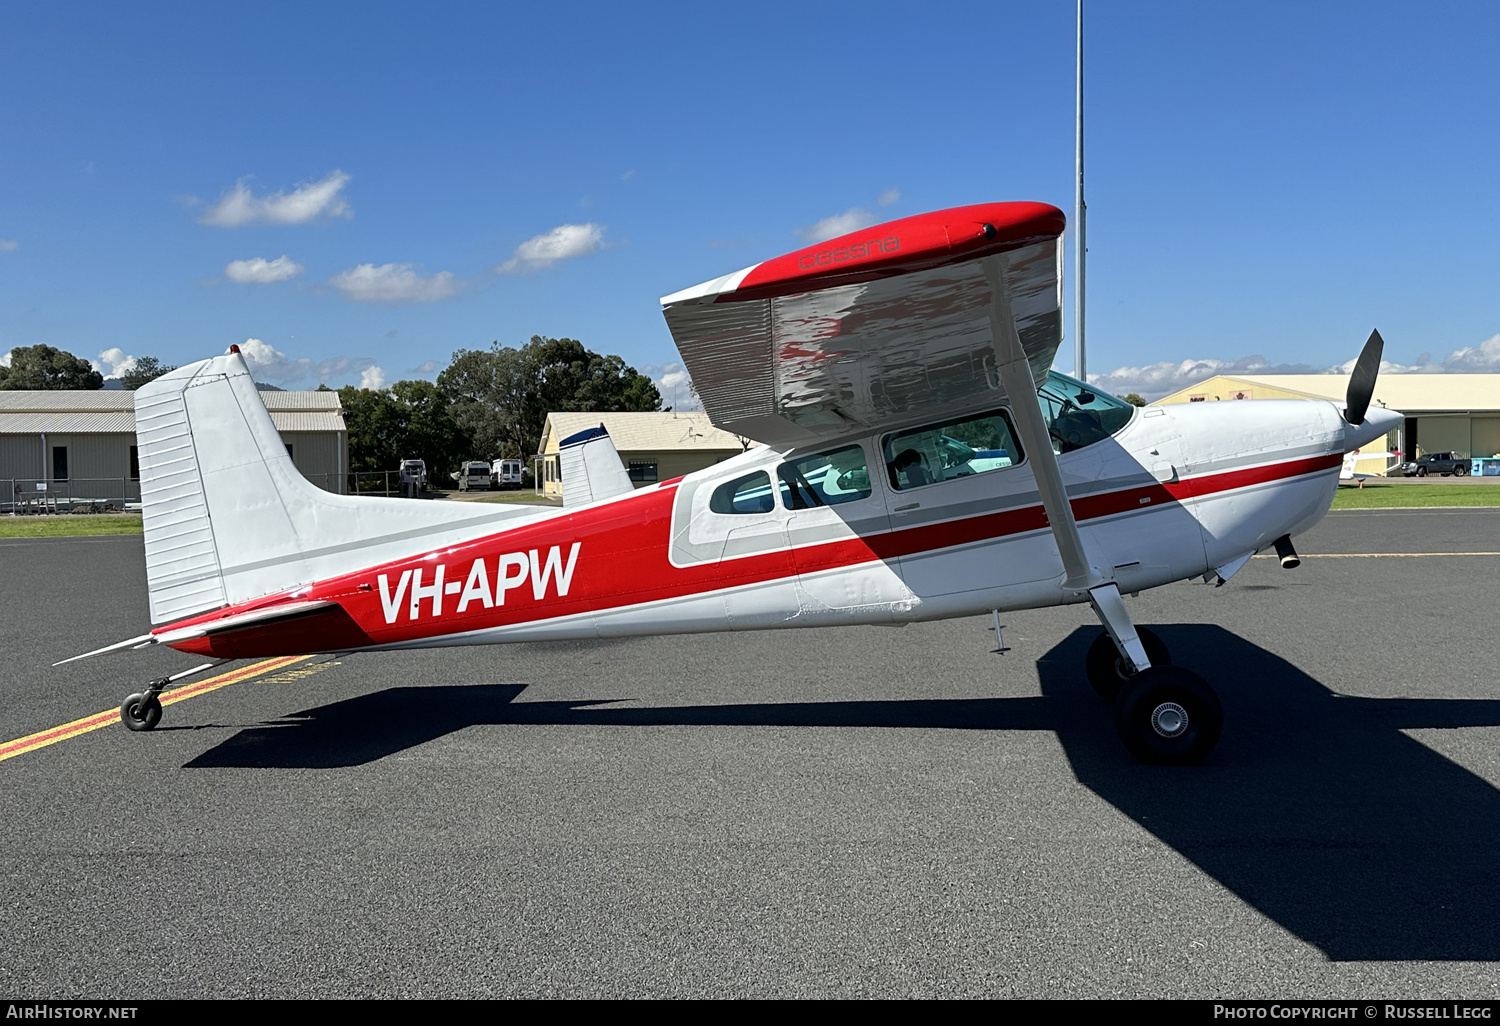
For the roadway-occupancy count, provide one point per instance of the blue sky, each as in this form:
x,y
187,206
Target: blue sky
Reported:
x,y
1267,180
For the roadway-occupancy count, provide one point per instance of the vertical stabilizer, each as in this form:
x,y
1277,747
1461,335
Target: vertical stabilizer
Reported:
x,y
228,518
591,468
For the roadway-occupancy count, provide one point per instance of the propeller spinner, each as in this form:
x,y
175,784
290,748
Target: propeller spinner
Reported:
x,y
1362,381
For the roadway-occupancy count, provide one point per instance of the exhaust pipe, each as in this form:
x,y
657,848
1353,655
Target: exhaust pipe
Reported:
x,y
1289,557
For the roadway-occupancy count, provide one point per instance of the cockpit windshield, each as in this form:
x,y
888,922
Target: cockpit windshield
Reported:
x,y
1078,415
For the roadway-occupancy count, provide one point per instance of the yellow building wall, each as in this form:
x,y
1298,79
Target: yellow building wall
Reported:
x,y
1222,387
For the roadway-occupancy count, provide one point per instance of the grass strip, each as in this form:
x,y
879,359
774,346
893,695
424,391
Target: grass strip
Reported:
x,y
66,525
1384,496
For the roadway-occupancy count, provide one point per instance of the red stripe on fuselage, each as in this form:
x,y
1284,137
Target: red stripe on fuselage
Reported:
x,y
623,559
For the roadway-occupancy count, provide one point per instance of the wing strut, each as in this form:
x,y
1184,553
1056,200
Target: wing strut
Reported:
x,y
1015,375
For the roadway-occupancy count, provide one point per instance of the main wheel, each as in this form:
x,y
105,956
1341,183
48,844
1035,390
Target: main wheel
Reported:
x,y
1460,471
1169,716
1106,668
138,712
1421,471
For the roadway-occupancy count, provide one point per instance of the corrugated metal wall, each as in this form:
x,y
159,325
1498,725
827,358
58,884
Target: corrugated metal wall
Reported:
x,y
99,464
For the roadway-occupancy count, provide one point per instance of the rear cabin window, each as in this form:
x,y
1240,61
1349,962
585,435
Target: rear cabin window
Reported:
x,y
950,450
748,494
826,479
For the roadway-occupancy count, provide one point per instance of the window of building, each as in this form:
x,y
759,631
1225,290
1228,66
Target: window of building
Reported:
x,y
59,463
826,479
748,494
135,463
642,471
952,449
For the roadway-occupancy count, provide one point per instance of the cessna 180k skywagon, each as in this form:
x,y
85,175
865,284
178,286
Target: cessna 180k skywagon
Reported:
x,y
918,461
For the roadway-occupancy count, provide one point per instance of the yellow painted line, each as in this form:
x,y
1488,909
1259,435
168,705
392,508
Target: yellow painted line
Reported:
x,y
42,739
1374,555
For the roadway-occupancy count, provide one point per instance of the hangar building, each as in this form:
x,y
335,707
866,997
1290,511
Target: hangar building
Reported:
x,y
1457,413
653,446
81,444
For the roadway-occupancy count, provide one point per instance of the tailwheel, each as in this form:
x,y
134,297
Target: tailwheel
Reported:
x,y
1106,668
140,711
1169,716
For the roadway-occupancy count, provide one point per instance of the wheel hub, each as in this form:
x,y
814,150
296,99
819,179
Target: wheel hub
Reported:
x,y
1169,719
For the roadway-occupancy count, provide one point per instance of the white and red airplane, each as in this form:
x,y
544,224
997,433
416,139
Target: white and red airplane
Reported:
x,y
919,461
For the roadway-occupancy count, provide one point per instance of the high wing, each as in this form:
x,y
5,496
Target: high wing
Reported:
x,y
873,328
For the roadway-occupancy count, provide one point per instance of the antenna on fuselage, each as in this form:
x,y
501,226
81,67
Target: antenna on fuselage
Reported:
x,y
1080,217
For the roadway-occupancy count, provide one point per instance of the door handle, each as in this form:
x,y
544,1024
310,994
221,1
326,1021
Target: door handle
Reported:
x,y
909,505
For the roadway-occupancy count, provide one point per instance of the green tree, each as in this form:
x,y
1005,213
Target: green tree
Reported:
x,y
409,420
147,368
1134,399
43,367
502,395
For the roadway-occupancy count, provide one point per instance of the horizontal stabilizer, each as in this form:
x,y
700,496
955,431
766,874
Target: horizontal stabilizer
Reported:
x,y
591,468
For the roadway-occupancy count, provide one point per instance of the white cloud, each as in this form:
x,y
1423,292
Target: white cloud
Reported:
x,y
6,245
274,367
676,388
565,242
260,271
393,283
851,220
1483,357
307,202
888,197
372,377
5,360
114,363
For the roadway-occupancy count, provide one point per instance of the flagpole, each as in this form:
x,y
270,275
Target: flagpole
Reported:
x,y
1080,219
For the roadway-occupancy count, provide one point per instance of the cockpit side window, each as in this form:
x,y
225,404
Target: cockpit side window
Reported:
x,y
748,494
826,479
1077,415
949,450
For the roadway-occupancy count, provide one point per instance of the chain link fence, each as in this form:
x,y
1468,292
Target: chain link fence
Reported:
x,y
28,496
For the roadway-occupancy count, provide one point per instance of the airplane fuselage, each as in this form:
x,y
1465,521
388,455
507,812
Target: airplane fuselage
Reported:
x,y
1175,493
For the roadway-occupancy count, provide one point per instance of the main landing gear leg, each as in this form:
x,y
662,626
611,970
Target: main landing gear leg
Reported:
x,y
1163,713
142,710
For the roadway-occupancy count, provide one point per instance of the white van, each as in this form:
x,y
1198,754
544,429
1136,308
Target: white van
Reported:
x,y
473,476
506,474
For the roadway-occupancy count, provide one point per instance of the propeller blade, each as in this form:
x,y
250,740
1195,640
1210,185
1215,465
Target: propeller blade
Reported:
x,y
1362,381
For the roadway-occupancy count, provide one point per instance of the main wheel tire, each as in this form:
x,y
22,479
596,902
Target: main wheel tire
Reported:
x,y
138,712
1106,669
1169,716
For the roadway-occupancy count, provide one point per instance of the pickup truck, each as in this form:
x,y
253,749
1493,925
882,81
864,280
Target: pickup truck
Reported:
x,y
1443,464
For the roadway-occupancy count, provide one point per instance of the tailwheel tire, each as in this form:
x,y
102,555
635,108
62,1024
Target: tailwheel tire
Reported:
x,y
1169,716
1106,668
139,712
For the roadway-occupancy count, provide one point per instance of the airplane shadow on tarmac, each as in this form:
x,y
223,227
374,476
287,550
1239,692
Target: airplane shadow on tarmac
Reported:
x,y
1315,809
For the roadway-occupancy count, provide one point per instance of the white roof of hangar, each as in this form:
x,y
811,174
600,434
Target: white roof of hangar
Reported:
x,y
112,411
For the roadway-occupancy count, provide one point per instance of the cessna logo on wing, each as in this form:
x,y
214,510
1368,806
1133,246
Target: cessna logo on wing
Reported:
x,y
854,251
512,570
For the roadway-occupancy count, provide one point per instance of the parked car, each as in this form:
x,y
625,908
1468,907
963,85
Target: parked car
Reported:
x,y
472,476
1443,463
1407,469
413,473
506,474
